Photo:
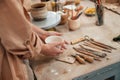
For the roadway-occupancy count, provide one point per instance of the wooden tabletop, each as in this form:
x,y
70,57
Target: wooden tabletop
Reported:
x,y
47,68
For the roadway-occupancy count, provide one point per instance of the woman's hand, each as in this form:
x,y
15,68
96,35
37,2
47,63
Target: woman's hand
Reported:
x,y
52,49
43,34
50,33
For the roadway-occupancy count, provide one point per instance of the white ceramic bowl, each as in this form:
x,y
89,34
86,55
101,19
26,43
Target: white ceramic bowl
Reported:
x,y
53,39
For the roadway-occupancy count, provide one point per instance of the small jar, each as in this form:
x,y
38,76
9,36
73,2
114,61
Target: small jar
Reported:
x,y
73,24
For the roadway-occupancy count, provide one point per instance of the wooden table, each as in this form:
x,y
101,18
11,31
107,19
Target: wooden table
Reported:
x,y
47,68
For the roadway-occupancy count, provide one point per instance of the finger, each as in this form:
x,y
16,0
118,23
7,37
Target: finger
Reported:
x,y
59,50
58,34
55,33
66,42
58,44
63,46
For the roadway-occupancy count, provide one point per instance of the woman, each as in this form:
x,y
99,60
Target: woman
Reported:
x,y
20,40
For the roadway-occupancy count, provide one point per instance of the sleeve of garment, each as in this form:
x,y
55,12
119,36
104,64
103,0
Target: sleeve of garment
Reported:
x,y
16,32
27,4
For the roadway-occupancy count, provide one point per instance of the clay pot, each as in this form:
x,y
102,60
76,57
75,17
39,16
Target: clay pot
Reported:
x,y
74,24
64,18
39,11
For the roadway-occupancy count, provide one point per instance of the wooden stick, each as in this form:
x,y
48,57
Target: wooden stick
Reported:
x,y
94,52
96,47
102,44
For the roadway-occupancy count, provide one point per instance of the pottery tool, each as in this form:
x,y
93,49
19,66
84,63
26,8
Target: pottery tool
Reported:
x,y
78,14
87,53
66,59
79,59
96,47
79,8
102,44
77,41
98,43
112,10
87,58
94,52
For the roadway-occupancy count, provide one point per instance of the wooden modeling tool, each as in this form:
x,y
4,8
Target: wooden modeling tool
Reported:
x,y
100,54
79,59
87,58
77,41
96,47
87,53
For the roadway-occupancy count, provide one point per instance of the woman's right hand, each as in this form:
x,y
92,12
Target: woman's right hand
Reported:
x,y
53,49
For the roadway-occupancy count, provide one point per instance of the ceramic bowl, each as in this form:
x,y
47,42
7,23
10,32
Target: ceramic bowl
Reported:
x,y
53,39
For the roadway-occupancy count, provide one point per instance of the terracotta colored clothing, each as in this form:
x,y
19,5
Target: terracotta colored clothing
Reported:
x,y
17,40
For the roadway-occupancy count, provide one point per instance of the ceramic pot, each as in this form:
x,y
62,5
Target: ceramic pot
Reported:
x,y
39,11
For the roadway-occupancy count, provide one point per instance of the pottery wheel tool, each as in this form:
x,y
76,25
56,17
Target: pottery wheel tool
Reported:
x,y
87,53
96,47
87,58
77,41
79,59
67,59
94,52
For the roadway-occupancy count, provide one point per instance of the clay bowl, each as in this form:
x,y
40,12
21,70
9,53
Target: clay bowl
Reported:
x,y
39,11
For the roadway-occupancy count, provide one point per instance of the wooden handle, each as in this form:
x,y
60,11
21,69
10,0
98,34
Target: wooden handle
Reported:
x,y
79,59
87,58
77,41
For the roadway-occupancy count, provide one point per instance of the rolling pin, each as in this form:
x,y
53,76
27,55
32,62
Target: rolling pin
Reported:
x,y
79,59
87,53
77,41
87,58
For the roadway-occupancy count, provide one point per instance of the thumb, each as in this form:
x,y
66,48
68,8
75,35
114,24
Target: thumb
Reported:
x,y
58,34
